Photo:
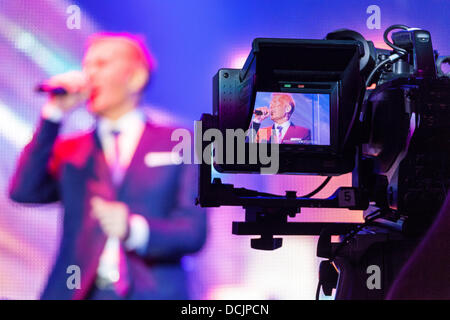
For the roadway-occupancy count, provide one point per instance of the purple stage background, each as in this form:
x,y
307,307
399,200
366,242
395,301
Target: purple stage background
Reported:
x,y
190,40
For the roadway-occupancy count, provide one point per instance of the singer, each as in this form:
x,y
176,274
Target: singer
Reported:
x,y
281,108
127,221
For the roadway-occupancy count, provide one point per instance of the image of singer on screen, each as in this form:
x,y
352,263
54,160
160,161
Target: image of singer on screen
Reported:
x,y
291,118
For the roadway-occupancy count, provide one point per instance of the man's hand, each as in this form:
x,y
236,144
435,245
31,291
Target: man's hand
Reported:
x,y
261,117
112,216
75,83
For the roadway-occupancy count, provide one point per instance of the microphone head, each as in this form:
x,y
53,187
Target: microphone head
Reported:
x,y
258,112
45,88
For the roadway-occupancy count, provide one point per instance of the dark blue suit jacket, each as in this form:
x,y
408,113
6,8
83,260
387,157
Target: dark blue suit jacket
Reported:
x,y
73,170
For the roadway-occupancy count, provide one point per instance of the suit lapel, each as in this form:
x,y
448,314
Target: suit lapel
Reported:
x,y
296,132
288,132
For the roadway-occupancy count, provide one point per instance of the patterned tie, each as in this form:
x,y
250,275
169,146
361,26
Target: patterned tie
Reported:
x,y
279,130
121,281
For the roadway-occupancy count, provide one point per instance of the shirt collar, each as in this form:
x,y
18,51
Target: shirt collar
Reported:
x,y
285,125
129,121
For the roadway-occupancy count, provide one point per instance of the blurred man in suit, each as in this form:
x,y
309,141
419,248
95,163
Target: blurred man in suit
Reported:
x,y
281,108
129,214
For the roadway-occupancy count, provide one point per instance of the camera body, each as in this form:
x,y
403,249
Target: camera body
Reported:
x,y
329,107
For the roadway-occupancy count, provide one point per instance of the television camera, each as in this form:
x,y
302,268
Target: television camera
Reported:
x,y
383,115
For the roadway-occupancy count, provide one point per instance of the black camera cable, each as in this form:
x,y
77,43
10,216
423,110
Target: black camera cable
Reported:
x,y
318,189
398,52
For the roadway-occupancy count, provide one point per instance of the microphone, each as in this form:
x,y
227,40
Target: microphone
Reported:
x,y
46,88
258,112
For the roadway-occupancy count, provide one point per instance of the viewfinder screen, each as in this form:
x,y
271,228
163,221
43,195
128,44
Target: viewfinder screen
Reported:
x,y
291,118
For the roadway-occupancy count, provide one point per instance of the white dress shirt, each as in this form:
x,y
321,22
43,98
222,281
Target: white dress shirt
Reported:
x,y
131,126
